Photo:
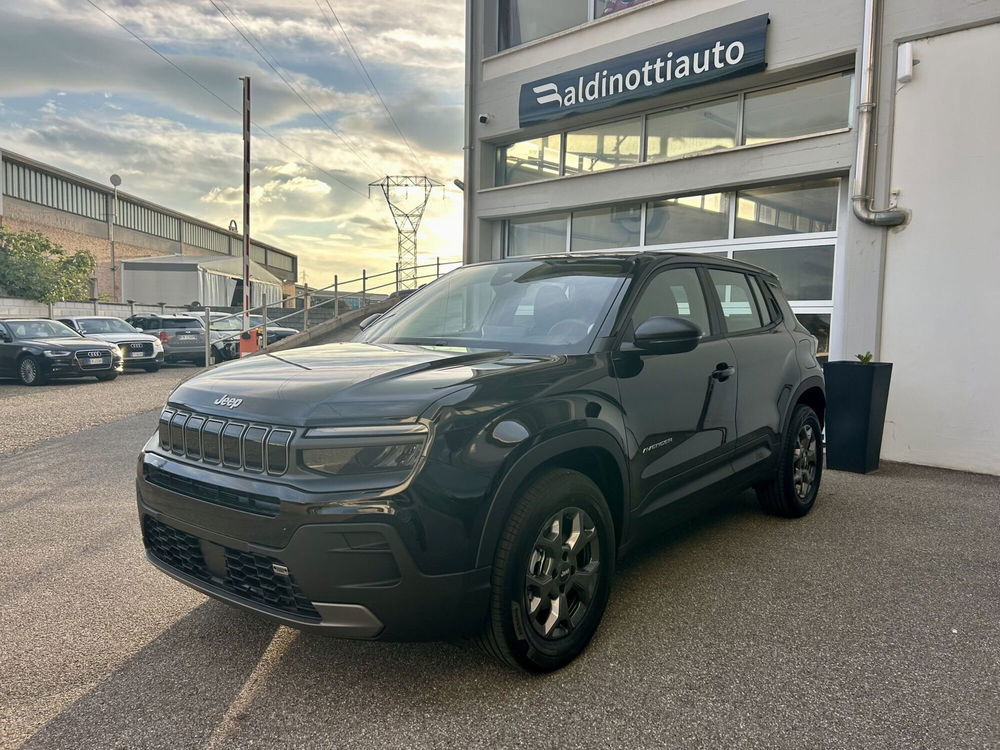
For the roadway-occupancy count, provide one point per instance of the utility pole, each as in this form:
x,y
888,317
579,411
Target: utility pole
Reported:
x,y
407,212
115,182
246,202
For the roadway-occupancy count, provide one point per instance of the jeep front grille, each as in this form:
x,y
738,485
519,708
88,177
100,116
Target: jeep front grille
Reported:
x,y
244,574
234,444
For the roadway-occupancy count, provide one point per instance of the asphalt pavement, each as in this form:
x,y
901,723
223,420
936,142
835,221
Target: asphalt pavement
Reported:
x,y
873,622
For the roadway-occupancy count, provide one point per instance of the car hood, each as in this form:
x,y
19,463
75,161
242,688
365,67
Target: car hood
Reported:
x,y
121,338
66,344
344,383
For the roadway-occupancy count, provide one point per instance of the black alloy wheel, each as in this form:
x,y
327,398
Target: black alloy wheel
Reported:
x,y
562,574
792,492
551,574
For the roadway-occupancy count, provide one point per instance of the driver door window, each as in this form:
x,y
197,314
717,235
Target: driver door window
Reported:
x,y
674,293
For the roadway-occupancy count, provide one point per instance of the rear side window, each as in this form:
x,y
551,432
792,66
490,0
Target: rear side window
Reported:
x,y
739,306
173,323
674,293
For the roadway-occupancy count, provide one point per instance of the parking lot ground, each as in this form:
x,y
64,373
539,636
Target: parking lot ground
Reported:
x,y
29,415
872,622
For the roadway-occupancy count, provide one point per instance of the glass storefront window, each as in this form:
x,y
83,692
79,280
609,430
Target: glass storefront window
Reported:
x,y
695,218
692,130
601,147
797,109
526,161
538,235
806,273
606,228
795,208
607,7
524,20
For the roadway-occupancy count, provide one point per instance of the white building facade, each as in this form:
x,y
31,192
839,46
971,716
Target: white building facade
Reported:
x,y
753,129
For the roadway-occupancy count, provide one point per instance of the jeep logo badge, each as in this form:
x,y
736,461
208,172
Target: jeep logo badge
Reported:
x,y
228,401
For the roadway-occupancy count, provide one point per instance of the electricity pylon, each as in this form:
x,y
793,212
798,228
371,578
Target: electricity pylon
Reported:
x,y
407,197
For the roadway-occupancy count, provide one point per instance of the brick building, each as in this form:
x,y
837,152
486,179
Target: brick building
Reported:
x,y
77,213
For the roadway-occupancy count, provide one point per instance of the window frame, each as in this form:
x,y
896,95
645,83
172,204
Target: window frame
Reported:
x,y
624,325
748,275
644,115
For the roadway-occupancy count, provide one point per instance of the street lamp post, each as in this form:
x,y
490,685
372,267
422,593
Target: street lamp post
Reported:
x,y
115,182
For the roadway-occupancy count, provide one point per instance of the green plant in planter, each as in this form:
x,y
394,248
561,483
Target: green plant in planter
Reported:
x,y
865,359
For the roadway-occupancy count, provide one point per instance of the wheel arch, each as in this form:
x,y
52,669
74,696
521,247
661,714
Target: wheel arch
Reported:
x,y
592,452
812,393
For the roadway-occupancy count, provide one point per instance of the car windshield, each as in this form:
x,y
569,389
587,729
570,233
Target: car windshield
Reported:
x,y
530,306
41,329
104,325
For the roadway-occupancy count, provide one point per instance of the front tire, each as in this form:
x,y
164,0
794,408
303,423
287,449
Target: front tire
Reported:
x,y
551,574
29,371
107,378
793,490
152,368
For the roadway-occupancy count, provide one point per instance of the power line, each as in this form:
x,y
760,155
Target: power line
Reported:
x,y
371,83
288,83
201,85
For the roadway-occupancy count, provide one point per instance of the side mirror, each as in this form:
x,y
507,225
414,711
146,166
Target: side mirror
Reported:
x,y
667,335
369,320
4,337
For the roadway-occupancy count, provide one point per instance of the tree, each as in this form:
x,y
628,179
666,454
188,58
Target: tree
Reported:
x,y
35,267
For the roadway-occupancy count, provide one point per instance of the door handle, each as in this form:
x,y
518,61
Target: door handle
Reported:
x,y
723,372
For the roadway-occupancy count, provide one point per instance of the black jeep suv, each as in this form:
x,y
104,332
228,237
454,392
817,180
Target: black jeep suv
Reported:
x,y
477,460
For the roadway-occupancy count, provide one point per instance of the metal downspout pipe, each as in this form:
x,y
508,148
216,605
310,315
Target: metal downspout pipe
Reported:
x,y
862,198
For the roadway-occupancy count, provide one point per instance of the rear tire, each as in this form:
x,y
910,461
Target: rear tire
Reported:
x,y
793,490
551,573
30,372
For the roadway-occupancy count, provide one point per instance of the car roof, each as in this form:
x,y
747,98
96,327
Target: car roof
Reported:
x,y
637,255
88,317
28,320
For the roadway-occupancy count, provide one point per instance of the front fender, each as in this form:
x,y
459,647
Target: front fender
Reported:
x,y
505,495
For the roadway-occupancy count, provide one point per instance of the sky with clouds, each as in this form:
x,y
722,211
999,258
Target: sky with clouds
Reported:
x,y
77,91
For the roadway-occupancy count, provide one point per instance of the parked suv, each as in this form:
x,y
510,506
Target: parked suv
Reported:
x,y
138,350
479,458
182,337
35,350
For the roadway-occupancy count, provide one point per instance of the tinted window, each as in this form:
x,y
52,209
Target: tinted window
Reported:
x,y
173,323
604,228
798,109
525,161
806,273
674,293
692,130
739,309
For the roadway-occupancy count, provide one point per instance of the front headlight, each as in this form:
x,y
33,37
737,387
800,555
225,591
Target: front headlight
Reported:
x,y
387,454
56,353
157,345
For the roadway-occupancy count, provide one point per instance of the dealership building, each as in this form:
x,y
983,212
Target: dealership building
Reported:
x,y
850,146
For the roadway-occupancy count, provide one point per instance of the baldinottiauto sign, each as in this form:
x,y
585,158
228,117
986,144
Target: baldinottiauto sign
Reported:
x,y
725,52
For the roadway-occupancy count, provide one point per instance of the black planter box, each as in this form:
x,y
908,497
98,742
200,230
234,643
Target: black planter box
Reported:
x,y
856,396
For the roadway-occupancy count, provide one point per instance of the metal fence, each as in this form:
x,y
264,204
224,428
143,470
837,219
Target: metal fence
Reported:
x,y
379,284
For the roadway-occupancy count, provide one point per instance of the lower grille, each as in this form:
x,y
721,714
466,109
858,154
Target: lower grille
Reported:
x,y
247,574
138,349
262,505
95,360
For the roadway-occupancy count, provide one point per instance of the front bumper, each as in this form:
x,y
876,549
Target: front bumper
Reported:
x,y
353,578
70,367
143,361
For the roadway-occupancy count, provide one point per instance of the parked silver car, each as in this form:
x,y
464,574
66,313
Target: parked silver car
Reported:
x,y
182,337
138,350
